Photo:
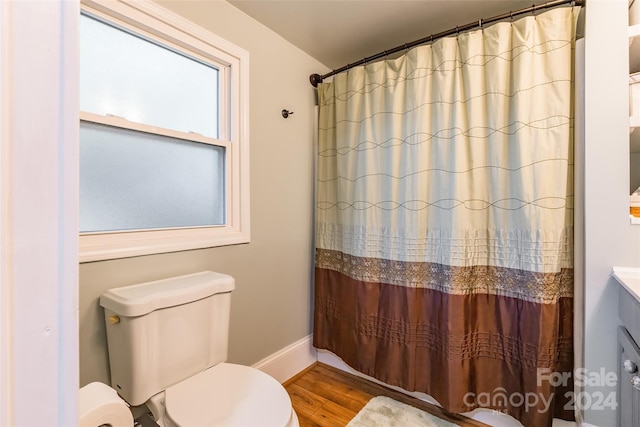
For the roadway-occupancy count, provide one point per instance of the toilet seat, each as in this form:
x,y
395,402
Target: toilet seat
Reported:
x,y
229,395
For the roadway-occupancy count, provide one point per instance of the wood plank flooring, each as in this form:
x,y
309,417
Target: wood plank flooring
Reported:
x,y
324,396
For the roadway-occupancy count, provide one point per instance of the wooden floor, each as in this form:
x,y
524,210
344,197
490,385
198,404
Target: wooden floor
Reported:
x,y
327,397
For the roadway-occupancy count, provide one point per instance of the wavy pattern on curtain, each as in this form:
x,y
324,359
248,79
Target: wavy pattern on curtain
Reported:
x,y
444,233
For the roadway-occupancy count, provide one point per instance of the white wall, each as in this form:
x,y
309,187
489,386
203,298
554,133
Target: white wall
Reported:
x,y
609,238
271,306
39,207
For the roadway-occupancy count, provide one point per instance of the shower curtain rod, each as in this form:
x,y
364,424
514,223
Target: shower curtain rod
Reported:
x,y
317,78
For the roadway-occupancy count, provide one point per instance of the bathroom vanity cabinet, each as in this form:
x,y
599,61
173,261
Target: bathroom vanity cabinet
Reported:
x,y
628,379
628,350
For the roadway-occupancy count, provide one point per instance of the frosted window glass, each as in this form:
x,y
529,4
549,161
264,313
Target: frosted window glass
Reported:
x,y
127,76
134,180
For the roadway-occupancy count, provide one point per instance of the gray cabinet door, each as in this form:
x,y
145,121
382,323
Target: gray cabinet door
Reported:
x,y
628,380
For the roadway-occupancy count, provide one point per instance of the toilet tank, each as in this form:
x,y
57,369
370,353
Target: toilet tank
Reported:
x,y
160,333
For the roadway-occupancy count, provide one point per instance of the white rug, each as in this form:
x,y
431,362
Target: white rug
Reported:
x,y
383,411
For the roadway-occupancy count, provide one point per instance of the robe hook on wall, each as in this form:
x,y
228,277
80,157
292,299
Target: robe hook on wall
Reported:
x,y
286,113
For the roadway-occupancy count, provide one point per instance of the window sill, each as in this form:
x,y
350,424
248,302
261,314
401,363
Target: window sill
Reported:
x,y
100,247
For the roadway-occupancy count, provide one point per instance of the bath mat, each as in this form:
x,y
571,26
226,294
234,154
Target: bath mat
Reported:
x,y
383,411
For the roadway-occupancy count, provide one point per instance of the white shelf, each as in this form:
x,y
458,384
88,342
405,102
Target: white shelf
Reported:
x,y
634,48
634,64
634,96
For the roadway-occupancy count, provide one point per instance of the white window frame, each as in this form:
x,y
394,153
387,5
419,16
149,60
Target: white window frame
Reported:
x,y
156,23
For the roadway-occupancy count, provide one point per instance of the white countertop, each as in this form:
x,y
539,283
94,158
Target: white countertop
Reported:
x,y
629,278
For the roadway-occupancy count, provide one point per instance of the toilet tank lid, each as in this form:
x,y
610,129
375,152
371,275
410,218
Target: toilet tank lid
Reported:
x,y
143,298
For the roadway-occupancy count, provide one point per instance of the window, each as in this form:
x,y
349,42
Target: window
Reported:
x,y
163,137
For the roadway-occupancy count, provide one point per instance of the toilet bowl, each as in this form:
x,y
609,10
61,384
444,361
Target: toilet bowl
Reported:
x,y
167,345
225,395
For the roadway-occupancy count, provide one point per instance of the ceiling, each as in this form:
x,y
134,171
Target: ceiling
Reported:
x,y
338,32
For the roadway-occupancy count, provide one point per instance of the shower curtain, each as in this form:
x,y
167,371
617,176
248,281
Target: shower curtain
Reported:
x,y
444,219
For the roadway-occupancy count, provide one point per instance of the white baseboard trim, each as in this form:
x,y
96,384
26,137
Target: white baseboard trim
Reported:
x,y
289,361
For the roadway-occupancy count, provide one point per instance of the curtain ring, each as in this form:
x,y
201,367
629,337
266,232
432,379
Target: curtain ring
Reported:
x,y
511,15
480,23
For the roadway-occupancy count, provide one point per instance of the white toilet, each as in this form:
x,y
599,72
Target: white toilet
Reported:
x,y
167,346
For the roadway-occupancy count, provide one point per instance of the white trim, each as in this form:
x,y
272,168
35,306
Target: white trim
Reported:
x,y
579,220
143,16
147,17
97,247
289,361
6,284
39,212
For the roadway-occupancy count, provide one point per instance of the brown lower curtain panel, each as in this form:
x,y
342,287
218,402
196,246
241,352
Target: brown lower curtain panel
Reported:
x,y
467,351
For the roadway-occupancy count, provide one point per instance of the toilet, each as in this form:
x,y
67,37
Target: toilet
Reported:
x,y
168,348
